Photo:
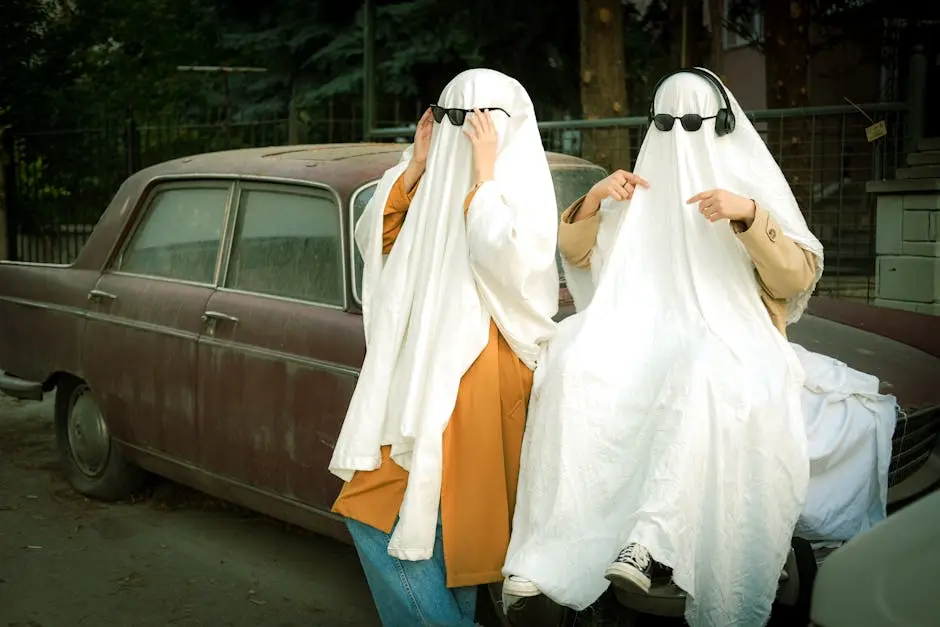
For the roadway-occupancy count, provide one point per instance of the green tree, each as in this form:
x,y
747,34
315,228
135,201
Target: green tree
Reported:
x,y
22,27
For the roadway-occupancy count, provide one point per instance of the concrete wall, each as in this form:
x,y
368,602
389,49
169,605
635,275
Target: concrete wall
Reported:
x,y
907,273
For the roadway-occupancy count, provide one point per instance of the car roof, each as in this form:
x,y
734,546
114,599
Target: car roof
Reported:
x,y
344,167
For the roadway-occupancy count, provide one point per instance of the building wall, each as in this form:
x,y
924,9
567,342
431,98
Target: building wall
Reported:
x,y
744,72
835,74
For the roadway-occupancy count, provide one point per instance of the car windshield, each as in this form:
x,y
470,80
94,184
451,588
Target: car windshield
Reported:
x,y
570,184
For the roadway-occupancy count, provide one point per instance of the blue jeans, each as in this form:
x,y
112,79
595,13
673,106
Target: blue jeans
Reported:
x,y
411,594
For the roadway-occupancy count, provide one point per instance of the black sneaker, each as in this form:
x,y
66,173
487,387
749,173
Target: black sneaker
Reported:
x,y
632,568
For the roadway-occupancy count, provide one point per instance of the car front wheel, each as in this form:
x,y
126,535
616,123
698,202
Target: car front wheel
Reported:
x,y
93,464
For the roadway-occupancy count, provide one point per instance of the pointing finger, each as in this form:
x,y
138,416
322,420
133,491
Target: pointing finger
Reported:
x,y
638,180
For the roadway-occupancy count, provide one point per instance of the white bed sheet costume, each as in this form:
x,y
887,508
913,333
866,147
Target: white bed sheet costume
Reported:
x,y
667,412
446,277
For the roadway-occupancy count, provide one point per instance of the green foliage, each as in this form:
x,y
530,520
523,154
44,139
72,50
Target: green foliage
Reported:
x,y
107,59
34,174
22,27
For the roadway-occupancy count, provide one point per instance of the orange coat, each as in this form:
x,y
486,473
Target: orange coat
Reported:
x,y
482,446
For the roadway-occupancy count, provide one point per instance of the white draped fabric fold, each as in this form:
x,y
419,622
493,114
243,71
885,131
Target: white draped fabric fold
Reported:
x,y
428,303
849,426
668,411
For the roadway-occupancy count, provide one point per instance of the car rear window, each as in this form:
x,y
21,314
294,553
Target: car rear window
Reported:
x,y
571,183
360,199
288,243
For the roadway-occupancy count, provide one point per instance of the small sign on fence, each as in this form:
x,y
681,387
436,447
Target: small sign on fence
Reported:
x,y
876,131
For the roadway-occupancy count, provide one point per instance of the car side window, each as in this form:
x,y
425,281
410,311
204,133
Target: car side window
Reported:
x,y
572,183
288,243
179,235
360,199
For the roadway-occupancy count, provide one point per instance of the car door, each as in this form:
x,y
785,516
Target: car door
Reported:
x,y
279,361
144,317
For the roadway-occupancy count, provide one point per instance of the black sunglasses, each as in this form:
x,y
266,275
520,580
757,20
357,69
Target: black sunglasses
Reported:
x,y
690,121
458,116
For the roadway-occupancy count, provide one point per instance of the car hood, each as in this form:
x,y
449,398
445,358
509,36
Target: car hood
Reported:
x,y
911,375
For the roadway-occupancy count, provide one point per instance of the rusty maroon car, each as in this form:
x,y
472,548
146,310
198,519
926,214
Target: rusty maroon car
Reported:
x,y
210,332
210,329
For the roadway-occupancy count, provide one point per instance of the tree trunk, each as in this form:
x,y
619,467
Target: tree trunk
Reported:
x,y
293,115
786,54
690,42
786,45
716,43
604,82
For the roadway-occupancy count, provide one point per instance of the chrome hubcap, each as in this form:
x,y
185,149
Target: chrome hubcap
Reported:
x,y
88,435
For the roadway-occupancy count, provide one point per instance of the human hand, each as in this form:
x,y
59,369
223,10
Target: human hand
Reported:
x,y
422,144
720,204
620,186
482,133
423,138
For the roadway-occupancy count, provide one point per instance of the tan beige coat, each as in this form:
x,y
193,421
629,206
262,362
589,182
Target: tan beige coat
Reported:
x,y
783,268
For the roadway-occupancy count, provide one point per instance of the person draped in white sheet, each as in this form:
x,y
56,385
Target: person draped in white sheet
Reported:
x,y
458,293
665,420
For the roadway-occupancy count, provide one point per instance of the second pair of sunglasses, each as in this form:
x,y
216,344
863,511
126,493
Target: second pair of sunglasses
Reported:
x,y
458,116
690,121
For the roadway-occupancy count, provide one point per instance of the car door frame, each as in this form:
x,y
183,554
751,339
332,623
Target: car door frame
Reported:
x,y
355,298
137,426
302,488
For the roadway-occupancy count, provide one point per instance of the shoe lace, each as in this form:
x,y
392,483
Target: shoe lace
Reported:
x,y
636,554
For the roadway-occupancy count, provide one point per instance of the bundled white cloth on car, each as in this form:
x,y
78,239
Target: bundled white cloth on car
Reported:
x,y
849,426
667,412
427,305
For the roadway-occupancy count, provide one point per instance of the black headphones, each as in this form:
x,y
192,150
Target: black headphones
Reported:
x,y
724,119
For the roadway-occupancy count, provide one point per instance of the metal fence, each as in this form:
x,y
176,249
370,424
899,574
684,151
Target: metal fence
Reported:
x,y
63,180
823,151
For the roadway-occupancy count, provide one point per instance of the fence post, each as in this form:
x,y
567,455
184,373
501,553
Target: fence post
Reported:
x,y
131,145
368,70
8,209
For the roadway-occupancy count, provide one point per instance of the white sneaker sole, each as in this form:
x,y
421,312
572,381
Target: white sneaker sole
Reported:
x,y
624,576
521,588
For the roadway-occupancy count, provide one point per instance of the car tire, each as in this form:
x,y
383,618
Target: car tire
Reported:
x,y
92,462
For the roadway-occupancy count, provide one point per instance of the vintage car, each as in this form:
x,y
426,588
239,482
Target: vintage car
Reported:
x,y
210,332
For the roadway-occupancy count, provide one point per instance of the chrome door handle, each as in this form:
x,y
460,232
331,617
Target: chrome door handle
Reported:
x,y
217,315
98,295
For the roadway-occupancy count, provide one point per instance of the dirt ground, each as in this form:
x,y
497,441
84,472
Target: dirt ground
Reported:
x,y
172,557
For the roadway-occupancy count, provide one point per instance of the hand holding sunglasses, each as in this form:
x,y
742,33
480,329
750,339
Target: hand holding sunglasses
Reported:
x,y
423,137
422,145
484,138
